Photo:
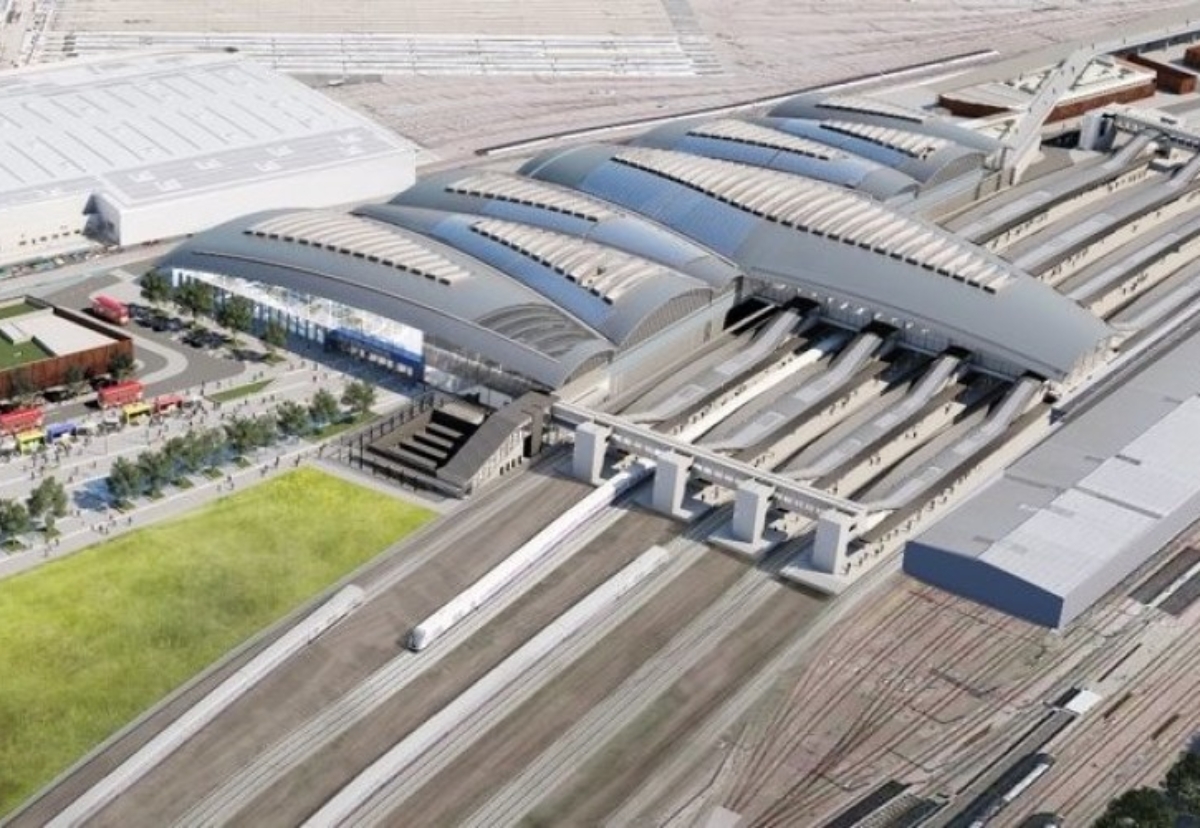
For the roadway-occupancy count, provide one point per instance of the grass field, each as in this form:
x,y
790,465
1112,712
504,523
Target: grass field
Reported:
x,y
12,355
16,309
334,429
89,642
239,391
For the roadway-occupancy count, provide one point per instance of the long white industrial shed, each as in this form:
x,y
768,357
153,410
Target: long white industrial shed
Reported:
x,y
132,149
1081,511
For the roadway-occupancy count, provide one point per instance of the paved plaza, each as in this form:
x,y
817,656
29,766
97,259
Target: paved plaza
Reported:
x,y
83,464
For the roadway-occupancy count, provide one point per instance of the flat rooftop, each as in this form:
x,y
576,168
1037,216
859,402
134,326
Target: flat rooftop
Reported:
x,y
1084,508
156,126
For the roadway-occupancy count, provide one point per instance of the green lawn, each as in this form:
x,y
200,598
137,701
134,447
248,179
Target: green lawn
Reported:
x,y
334,429
89,642
16,309
12,355
239,391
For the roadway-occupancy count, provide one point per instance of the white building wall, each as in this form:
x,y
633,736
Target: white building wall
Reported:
x,y
347,183
50,226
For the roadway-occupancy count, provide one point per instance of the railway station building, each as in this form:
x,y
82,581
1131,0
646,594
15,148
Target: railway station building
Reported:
x,y
590,272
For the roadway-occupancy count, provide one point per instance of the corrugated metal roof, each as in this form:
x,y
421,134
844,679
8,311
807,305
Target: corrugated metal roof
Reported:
x,y
825,210
361,238
756,135
1083,509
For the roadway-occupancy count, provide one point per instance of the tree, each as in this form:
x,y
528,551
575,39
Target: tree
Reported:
x,y
74,378
1139,808
48,501
265,430
14,518
242,433
156,287
1183,784
121,366
125,480
293,419
274,336
187,451
22,387
360,396
195,297
174,450
210,445
156,468
236,314
324,407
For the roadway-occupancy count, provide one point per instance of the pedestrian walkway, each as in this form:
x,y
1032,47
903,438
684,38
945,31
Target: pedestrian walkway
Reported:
x,y
83,466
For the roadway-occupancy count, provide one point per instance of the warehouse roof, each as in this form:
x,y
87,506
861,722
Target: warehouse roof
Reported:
x,y
1076,515
157,126
837,243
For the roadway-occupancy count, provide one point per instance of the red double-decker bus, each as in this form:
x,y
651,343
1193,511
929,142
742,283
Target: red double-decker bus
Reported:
x,y
111,310
21,419
121,393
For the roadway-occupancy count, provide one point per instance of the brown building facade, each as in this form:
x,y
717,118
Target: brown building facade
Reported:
x,y
53,371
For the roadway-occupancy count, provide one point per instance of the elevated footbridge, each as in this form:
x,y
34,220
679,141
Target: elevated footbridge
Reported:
x,y
611,430
1169,128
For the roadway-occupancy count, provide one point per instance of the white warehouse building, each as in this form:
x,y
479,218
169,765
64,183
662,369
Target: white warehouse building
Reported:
x,y
131,149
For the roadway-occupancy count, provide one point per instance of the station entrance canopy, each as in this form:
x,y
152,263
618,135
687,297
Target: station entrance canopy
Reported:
x,y
350,327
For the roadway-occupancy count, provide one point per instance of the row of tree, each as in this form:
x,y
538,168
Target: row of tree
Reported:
x,y
25,391
47,502
196,298
208,448
1154,808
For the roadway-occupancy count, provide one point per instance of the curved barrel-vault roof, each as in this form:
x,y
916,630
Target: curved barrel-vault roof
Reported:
x,y
615,293
583,252
512,197
834,243
405,277
760,145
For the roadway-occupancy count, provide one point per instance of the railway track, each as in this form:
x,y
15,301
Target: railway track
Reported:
x,y
1124,745
272,765
684,553
522,794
